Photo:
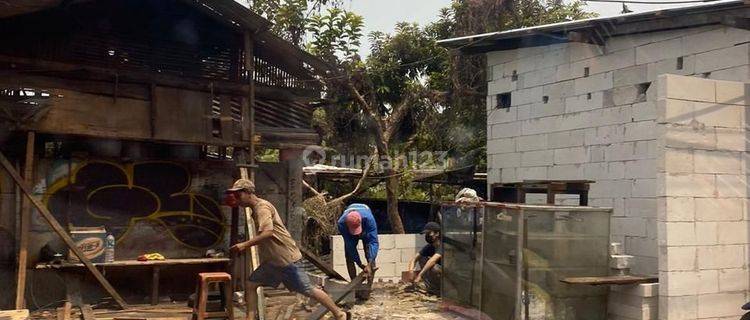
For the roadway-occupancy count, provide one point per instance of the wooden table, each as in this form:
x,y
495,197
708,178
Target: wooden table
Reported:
x,y
74,283
610,280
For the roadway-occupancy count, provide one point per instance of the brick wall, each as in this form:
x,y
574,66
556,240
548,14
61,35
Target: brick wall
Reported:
x,y
581,111
702,188
393,257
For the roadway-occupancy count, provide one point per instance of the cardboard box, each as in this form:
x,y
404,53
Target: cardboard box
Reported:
x,y
91,240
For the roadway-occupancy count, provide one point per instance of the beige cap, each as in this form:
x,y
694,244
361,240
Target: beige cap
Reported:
x,y
242,184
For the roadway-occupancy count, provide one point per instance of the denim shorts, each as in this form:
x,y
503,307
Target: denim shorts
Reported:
x,y
291,275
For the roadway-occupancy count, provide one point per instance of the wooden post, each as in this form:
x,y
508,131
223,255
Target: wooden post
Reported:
x,y
55,225
254,257
25,222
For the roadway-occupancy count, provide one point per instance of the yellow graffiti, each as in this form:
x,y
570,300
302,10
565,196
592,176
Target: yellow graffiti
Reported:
x,y
128,171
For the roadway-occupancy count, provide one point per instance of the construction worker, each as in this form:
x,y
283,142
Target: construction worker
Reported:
x,y
357,223
429,259
279,255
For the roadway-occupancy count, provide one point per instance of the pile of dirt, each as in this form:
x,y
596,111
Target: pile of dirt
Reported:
x,y
391,301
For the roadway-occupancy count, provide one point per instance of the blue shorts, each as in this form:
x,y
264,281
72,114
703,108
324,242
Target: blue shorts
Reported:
x,y
292,276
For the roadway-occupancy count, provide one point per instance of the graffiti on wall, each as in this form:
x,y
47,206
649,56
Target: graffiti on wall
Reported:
x,y
117,196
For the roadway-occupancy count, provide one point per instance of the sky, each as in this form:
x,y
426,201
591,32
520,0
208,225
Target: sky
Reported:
x,y
382,15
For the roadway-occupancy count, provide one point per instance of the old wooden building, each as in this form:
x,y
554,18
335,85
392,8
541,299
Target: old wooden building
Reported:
x,y
135,116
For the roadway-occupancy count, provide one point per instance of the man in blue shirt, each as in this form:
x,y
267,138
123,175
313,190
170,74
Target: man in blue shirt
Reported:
x,y
357,223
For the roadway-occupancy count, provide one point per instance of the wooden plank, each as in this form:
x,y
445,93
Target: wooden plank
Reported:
x,y
321,310
87,313
42,209
254,257
20,314
23,255
136,263
606,280
63,313
315,260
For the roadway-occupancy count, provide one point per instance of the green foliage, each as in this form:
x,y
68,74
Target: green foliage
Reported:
x,y
335,34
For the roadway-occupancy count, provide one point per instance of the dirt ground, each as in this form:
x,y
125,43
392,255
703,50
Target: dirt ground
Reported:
x,y
392,301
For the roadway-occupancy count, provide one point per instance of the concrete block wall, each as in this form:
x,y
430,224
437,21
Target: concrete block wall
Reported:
x,y
393,257
703,197
633,302
581,111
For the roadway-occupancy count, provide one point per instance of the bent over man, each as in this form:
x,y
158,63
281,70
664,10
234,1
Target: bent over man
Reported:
x,y
357,223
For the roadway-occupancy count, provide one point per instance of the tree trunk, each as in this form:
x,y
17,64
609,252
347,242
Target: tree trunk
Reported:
x,y
391,192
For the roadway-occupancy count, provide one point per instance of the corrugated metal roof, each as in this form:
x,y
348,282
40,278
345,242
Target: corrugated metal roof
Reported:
x,y
557,32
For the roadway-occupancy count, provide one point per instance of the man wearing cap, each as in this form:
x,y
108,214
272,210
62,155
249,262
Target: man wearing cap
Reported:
x,y
279,256
429,259
357,223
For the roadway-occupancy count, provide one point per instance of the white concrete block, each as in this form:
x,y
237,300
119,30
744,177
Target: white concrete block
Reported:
x,y
562,89
564,72
572,155
721,257
580,51
531,173
731,139
645,290
629,226
565,139
659,51
733,280
386,241
714,39
728,186
644,188
538,77
698,137
505,130
732,92
719,115
537,158
506,160
675,111
722,59
630,76
717,162
508,175
593,83
616,60
641,169
644,111
406,241
566,172
605,135
734,232
551,108
641,130
584,102
709,281
505,145
707,233
642,246
619,151
679,283
501,85
676,209
690,185
554,58
739,73
719,209
685,88
624,95
677,258
676,161
670,66
684,307
526,96
720,305
499,57
677,234
502,115
533,142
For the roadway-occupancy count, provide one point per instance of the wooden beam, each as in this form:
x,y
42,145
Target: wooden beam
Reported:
x,y
315,260
63,313
253,253
23,256
87,313
321,311
60,230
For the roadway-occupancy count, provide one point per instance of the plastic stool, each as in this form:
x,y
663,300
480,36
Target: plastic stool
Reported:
x,y
201,295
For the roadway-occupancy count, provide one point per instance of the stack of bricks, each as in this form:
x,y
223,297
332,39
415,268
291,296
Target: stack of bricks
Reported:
x,y
393,257
703,197
633,302
582,111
